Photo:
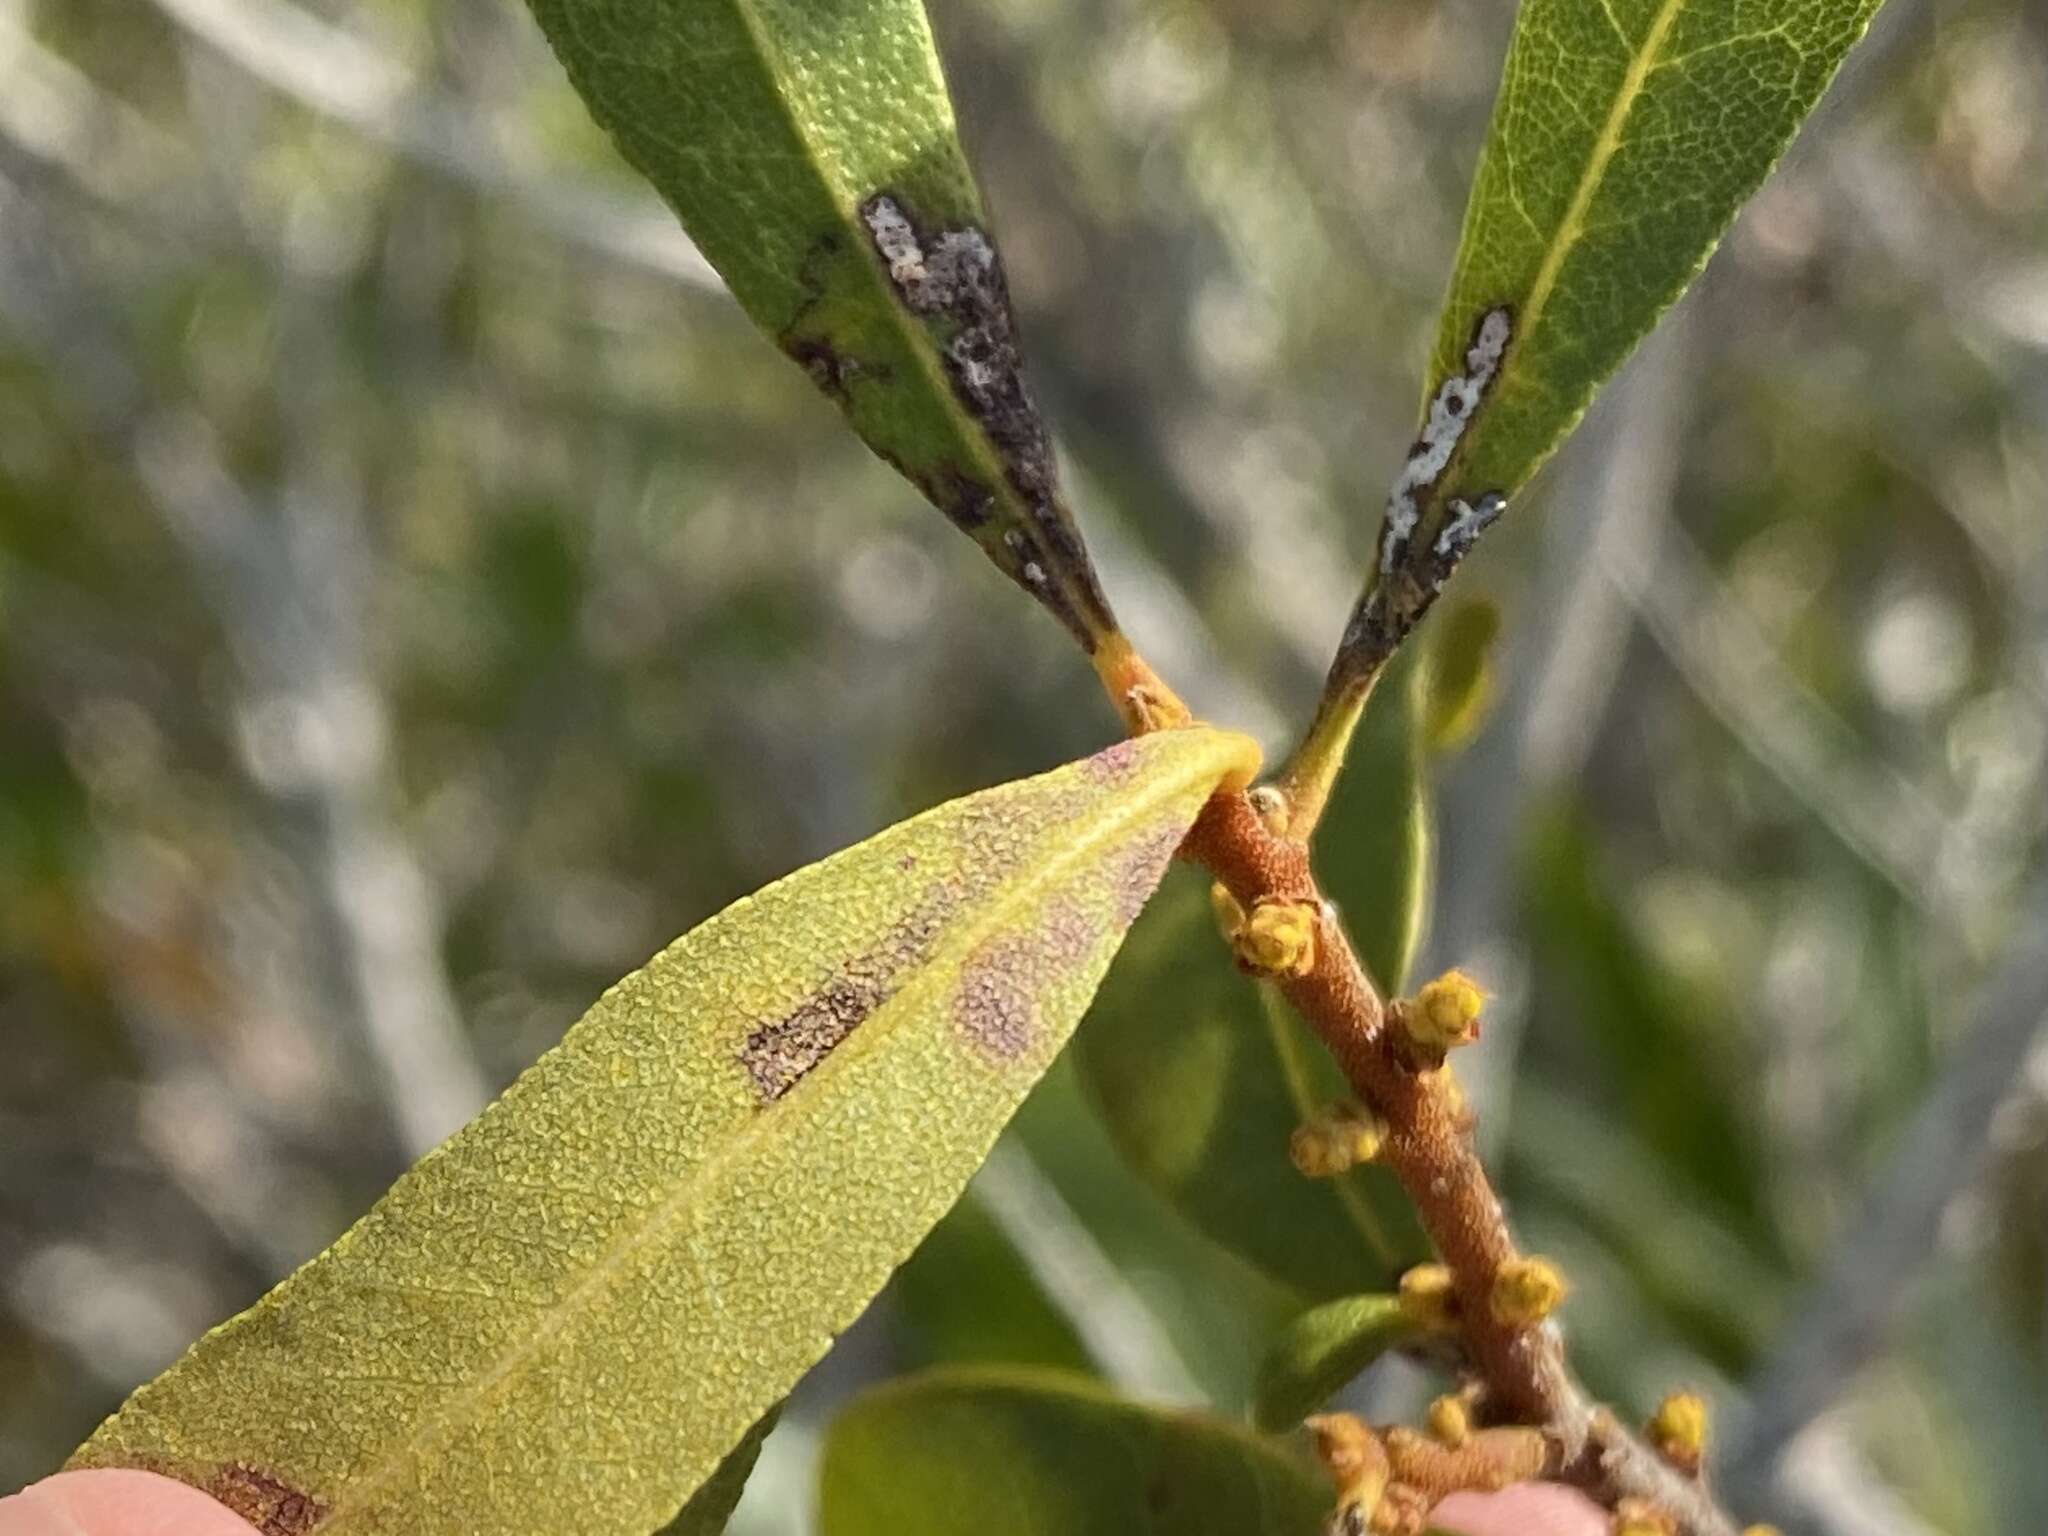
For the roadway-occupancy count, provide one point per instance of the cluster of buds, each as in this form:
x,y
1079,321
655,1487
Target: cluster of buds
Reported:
x,y
1441,1017
1388,1480
1338,1139
1275,940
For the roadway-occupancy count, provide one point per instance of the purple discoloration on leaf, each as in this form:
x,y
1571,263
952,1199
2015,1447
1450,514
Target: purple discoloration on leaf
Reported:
x,y
994,1006
1138,871
1113,765
996,1003
274,1507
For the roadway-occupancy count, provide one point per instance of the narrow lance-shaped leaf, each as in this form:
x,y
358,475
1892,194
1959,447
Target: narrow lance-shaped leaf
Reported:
x,y
971,1452
564,1318
809,148
1626,135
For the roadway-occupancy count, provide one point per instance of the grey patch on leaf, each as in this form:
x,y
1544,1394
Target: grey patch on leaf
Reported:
x,y
955,277
1412,575
1451,409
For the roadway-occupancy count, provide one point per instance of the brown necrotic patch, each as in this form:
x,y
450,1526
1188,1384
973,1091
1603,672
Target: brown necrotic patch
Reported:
x,y
781,1052
273,1506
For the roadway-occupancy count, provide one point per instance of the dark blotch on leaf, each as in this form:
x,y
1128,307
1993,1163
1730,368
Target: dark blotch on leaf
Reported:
x,y
274,1507
778,1055
954,278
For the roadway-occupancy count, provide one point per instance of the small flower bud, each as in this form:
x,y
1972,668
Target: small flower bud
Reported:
x,y
1678,1429
1761,1530
1278,939
1450,1420
1229,914
1445,1013
1525,1292
1639,1517
1336,1141
1427,1296
1352,1456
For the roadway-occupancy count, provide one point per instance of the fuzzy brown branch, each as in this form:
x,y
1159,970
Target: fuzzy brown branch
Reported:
x,y
1429,1148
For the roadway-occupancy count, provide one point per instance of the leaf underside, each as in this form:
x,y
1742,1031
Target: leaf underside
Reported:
x,y
809,148
564,1318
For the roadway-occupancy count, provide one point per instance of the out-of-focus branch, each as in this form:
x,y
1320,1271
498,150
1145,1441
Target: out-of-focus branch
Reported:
x,y
339,76
1111,1319
312,722
1730,665
1951,1139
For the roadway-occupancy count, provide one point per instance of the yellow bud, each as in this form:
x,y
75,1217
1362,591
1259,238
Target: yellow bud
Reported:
x,y
1278,939
1352,1456
1678,1429
1526,1291
1450,1421
1761,1530
1445,1013
1229,914
1639,1517
1427,1296
1336,1140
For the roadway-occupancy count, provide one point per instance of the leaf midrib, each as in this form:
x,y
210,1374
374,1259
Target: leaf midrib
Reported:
x,y
1571,229
358,1494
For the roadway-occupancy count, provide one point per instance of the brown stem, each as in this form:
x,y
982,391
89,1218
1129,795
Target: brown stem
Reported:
x,y
1429,1148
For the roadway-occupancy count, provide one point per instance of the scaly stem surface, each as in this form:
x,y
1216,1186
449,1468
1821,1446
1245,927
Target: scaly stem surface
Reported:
x,y
1430,1150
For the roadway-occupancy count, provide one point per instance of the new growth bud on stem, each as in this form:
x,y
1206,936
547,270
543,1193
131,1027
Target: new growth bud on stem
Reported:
x,y
1277,939
1450,1419
1428,1298
1336,1140
1525,1292
1678,1429
1639,1517
1443,1015
1352,1456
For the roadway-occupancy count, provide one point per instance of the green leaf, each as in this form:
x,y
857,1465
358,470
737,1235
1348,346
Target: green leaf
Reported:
x,y
1320,1351
1681,1085
1625,136
564,1318
967,1295
1201,1075
809,148
711,1506
1019,1453
1461,674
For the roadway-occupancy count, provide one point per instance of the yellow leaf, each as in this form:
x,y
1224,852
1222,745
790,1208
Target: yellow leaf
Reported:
x,y
563,1319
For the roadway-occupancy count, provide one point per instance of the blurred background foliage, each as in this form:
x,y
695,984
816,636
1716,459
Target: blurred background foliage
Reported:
x,y
422,595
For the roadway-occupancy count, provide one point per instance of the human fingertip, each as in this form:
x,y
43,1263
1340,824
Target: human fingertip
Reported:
x,y
117,1501
1527,1509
